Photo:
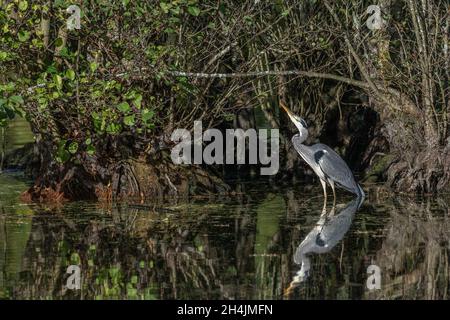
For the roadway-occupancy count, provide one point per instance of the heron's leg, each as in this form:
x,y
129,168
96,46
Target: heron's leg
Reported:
x,y
332,211
324,187
331,182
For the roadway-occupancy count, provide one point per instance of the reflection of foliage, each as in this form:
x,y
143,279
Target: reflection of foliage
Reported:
x,y
14,233
129,254
15,227
11,188
242,248
415,255
267,228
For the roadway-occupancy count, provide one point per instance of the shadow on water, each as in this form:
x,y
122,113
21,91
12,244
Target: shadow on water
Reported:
x,y
234,248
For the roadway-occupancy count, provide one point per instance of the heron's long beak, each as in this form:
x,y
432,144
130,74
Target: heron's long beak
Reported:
x,y
292,116
288,111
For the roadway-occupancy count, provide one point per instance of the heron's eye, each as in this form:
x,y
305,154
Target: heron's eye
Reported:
x,y
303,123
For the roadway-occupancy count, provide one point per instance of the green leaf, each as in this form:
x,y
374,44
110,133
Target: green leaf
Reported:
x,y
73,147
59,42
113,128
10,113
147,115
124,107
62,154
194,11
129,120
3,55
90,150
70,74
16,100
175,10
93,66
164,6
125,2
138,101
51,69
58,81
60,3
75,259
169,30
23,36
23,5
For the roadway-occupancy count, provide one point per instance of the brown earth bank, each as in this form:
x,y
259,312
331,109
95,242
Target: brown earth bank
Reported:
x,y
140,179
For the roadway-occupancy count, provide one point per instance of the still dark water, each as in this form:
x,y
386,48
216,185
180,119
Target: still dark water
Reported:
x,y
262,243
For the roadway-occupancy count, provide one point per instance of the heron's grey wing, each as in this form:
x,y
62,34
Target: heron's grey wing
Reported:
x,y
334,167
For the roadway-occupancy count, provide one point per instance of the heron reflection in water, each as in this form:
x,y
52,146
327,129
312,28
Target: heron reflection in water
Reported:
x,y
329,231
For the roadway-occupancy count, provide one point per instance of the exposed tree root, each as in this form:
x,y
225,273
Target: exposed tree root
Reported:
x,y
141,179
407,163
429,172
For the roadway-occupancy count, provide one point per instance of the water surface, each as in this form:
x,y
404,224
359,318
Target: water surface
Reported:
x,y
264,243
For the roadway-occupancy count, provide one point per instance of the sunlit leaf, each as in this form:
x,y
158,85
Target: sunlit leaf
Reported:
x,y
23,5
70,74
124,107
16,99
129,120
23,36
194,11
73,147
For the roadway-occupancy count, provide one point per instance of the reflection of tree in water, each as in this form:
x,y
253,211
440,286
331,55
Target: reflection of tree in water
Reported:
x,y
240,249
414,257
15,225
135,253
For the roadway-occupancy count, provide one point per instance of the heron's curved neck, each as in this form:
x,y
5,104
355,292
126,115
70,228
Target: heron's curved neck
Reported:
x,y
302,135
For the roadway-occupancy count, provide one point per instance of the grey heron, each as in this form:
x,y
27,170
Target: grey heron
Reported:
x,y
325,162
